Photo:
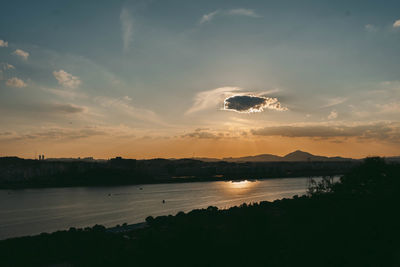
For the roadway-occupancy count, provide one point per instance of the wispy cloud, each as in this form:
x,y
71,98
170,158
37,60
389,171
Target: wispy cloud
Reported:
x,y
371,28
15,82
376,131
212,98
396,24
65,108
124,106
203,134
66,79
7,66
333,115
21,53
243,12
55,133
126,28
3,43
230,12
63,93
208,17
330,102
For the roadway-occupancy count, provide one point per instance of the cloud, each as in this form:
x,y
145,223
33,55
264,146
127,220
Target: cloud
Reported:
x,y
66,79
21,53
15,82
53,109
371,28
3,43
65,108
202,134
396,24
211,98
231,12
243,12
206,133
70,94
57,133
124,106
208,17
216,99
251,103
391,107
334,101
7,66
377,131
333,115
126,28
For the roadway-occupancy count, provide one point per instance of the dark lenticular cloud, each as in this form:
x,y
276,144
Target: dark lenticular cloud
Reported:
x,y
251,103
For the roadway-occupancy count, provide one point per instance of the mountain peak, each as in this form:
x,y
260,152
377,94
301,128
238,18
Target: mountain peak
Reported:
x,y
298,155
299,152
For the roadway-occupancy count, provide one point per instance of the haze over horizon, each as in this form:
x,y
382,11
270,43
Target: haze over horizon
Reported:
x,y
176,79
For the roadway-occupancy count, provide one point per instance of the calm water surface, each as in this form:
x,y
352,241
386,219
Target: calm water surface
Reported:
x,y
33,211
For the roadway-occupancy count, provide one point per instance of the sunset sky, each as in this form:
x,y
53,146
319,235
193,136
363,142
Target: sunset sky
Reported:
x,y
145,79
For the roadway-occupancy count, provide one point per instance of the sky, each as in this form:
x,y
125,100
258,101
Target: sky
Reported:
x,y
174,79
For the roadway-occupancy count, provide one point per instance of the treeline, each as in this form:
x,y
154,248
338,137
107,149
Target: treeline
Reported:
x,y
16,172
351,223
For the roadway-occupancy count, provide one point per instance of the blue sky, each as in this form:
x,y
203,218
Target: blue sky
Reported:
x,y
149,78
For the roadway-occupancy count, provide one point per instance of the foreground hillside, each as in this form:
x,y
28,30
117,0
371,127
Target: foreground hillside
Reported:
x,y
353,223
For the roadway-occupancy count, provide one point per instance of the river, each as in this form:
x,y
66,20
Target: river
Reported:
x,y
33,211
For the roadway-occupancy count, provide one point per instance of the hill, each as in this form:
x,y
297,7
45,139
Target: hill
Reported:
x,y
297,155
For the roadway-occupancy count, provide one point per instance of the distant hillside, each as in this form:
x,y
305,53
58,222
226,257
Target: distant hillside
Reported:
x,y
294,156
257,158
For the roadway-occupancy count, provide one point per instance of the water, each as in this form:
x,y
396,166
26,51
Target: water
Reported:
x,y
33,211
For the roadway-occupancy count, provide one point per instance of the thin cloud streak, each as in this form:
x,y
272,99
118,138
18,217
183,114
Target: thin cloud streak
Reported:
x,y
124,106
231,12
126,28
375,131
243,12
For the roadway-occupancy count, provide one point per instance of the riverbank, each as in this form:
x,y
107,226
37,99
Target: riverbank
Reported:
x,y
353,223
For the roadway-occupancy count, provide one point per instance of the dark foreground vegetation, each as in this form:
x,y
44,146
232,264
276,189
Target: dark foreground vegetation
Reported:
x,y
352,223
24,173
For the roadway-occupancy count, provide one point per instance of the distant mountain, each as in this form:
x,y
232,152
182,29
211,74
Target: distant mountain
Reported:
x,y
257,158
297,155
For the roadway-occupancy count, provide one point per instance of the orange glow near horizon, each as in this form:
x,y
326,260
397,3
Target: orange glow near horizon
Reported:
x,y
104,148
